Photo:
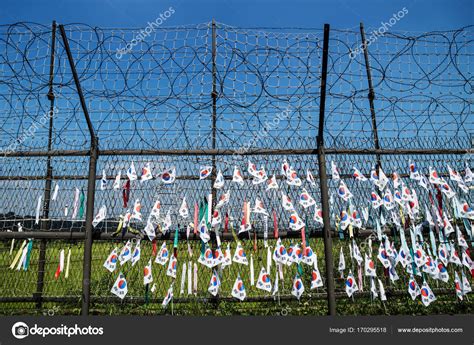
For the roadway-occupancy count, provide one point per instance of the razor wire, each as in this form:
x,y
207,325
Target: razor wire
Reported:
x,y
158,96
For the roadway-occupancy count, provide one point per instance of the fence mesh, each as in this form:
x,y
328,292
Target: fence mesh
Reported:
x,y
158,95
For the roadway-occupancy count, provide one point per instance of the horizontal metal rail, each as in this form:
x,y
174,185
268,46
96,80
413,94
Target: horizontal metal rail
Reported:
x,y
78,235
229,152
141,300
179,177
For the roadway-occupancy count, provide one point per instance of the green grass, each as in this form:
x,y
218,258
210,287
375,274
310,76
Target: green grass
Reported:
x,y
23,284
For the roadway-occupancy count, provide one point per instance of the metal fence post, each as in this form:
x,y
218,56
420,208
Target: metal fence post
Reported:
x,y
214,299
324,182
45,223
371,96
214,108
94,153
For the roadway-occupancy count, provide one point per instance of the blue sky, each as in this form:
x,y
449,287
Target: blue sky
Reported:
x,y
424,15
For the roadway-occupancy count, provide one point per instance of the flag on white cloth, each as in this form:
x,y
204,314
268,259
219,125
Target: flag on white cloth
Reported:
x,y
427,295
126,253
111,261
146,173
344,192
131,172
358,175
298,287
413,288
342,262
103,181
100,216
120,287
259,208
172,266
214,284
204,172
263,282
369,267
147,275
351,285
137,214
238,290
239,255
434,178
458,286
454,175
136,253
207,258
295,221
168,176
316,280
318,215
414,173
223,199
466,286
272,183
279,254
203,231
168,297
219,182
310,178
163,255
183,209
335,171
376,200
237,177
286,202
306,200
396,180
117,180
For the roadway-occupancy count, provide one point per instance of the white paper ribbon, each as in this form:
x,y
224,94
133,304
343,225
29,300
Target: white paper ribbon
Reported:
x,y
269,259
38,209
252,274
55,193
68,261
18,254
183,279
195,278
61,260
23,257
190,278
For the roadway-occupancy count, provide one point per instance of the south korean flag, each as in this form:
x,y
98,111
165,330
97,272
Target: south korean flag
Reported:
x,y
238,290
351,285
263,282
120,287
316,280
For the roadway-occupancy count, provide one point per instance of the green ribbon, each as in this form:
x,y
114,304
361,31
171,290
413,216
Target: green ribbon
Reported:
x,y
176,237
202,213
28,255
413,266
81,204
201,210
300,270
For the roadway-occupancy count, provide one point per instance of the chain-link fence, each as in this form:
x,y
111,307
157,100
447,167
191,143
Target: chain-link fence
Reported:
x,y
213,95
